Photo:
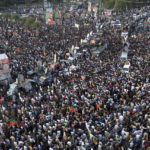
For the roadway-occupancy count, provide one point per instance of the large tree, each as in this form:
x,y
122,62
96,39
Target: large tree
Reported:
x,y
14,2
124,3
107,3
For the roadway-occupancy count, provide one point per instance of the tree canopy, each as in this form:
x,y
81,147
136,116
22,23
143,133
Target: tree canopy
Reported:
x,y
107,3
124,3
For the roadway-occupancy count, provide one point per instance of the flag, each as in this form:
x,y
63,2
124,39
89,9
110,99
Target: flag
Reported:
x,y
12,123
1,100
72,110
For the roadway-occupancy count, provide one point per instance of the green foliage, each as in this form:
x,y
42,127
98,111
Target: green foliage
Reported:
x,y
31,22
28,21
2,3
122,4
15,17
55,1
7,3
6,15
109,4
22,20
35,25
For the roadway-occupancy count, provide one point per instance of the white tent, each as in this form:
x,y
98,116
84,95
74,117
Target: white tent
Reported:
x,y
124,55
4,59
12,89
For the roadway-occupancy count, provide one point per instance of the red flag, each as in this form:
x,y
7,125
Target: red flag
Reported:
x,y
12,123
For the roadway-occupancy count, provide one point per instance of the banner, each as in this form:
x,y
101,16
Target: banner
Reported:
x,y
4,65
51,22
89,6
49,14
107,13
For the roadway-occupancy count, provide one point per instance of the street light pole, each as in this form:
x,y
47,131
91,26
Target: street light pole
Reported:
x,y
116,3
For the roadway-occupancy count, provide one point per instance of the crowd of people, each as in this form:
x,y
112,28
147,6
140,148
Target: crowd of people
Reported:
x,y
95,105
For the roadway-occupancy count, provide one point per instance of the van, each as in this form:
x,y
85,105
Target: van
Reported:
x,y
126,67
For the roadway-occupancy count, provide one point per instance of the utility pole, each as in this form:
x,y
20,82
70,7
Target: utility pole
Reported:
x,y
100,5
44,8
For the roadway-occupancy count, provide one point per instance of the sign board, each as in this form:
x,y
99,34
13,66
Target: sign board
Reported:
x,y
4,67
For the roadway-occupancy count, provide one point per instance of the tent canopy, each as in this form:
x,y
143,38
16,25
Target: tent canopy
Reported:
x,y
4,59
3,56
